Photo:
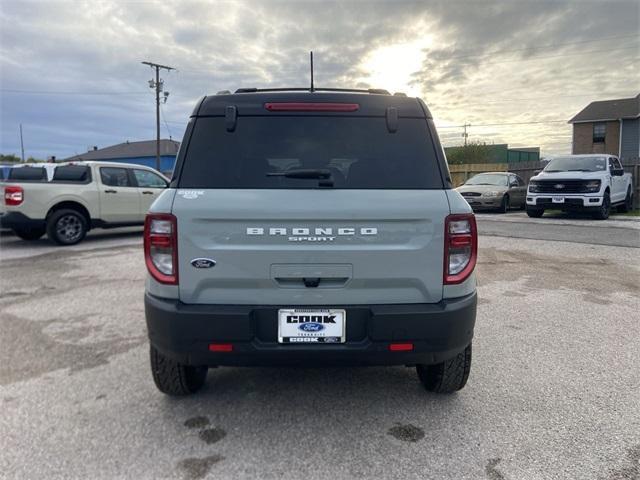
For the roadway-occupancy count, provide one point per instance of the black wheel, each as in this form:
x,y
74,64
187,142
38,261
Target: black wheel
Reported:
x,y
173,378
446,377
602,213
33,233
535,212
627,206
505,205
66,227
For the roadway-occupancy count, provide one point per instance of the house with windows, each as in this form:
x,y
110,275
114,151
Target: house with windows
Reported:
x,y
609,126
142,153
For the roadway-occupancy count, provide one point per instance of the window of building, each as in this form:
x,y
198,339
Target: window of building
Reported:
x,y
599,130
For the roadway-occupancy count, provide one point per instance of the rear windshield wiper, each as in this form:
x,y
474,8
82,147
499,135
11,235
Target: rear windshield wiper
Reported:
x,y
324,176
302,173
579,170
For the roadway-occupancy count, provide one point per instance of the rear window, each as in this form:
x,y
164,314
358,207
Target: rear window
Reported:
x,y
359,153
72,174
34,174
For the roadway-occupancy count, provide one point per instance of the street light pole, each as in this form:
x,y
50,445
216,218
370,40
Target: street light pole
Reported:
x,y
21,143
158,87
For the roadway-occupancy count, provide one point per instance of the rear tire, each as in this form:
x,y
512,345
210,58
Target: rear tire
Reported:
x,y
174,378
66,227
535,212
627,206
446,377
33,233
602,213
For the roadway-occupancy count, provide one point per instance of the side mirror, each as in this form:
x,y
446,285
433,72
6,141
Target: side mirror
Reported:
x,y
513,184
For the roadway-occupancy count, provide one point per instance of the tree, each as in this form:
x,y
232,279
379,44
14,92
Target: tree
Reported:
x,y
473,152
11,158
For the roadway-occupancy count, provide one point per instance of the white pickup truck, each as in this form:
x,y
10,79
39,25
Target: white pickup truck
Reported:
x,y
78,197
593,183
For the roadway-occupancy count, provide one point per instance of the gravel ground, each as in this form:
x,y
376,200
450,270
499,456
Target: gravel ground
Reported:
x,y
554,391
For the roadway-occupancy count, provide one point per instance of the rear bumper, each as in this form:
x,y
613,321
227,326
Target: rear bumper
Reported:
x,y
183,332
19,220
571,202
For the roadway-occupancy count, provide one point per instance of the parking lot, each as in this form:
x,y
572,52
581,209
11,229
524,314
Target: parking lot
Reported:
x,y
554,390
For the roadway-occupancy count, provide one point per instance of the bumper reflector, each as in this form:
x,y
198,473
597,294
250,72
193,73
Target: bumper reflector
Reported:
x,y
401,347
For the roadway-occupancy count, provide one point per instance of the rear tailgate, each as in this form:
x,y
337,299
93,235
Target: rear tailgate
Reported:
x,y
361,247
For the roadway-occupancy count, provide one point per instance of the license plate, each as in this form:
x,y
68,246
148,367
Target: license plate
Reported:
x,y
300,325
557,199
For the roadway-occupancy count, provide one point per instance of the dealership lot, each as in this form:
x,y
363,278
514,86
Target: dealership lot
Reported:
x,y
553,392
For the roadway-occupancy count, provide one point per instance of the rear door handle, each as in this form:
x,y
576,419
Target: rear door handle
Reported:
x,y
110,191
147,192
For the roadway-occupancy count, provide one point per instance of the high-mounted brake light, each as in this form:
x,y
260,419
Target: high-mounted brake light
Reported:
x,y
13,195
221,347
311,107
460,247
161,247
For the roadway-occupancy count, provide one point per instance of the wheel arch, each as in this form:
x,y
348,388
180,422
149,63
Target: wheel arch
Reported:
x,y
72,205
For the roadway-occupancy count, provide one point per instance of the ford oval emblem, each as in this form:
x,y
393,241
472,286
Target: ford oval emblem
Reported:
x,y
203,263
311,327
559,186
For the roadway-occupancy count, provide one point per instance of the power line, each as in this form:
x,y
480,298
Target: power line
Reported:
x,y
165,121
500,124
500,52
529,99
558,56
58,92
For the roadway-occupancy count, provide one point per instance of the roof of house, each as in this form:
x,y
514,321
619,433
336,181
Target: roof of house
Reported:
x,y
145,148
609,110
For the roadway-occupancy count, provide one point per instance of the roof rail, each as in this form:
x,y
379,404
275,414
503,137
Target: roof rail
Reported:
x,y
375,91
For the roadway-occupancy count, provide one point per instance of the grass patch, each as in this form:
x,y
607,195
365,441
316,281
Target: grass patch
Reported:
x,y
632,213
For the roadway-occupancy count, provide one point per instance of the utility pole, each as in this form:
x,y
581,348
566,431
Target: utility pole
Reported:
x,y
465,134
21,143
157,84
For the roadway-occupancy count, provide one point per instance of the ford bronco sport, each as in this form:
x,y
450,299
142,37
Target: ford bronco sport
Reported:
x,y
310,227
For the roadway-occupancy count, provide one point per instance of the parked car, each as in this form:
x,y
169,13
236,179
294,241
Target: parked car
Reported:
x,y
80,196
315,227
494,191
589,183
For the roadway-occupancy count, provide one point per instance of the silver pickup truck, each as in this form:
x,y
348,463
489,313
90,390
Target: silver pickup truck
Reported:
x,y
78,196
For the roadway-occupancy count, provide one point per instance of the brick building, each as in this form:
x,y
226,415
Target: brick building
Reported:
x,y
610,126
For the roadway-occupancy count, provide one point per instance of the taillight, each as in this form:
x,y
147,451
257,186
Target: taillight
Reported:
x,y
13,195
161,247
460,247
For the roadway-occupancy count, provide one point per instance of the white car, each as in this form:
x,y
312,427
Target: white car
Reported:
x,y
79,196
593,183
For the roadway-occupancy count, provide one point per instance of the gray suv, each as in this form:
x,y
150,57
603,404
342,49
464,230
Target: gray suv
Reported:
x,y
310,228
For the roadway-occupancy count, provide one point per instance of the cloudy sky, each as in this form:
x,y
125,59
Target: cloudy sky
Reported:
x,y
514,70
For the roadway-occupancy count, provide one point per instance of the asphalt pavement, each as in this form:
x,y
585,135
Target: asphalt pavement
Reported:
x,y
554,391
